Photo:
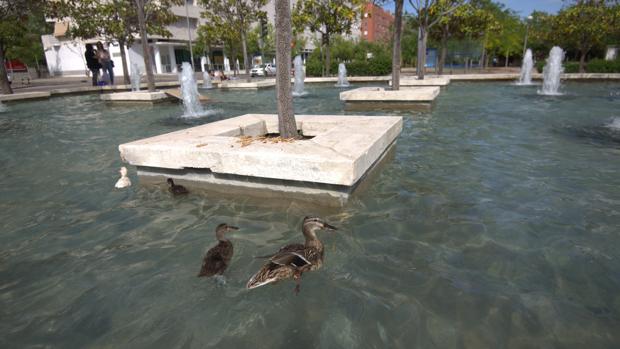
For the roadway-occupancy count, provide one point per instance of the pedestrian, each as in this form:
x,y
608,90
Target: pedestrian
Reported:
x,y
107,65
92,62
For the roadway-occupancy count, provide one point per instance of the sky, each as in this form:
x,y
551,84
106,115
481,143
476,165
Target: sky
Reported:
x,y
522,7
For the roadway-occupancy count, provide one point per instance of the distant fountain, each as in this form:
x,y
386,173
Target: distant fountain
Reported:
x,y
189,92
342,76
135,77
298,87
526,69
551,73
206,80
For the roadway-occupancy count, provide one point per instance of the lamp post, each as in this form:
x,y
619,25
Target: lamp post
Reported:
x,y
189,36
527,29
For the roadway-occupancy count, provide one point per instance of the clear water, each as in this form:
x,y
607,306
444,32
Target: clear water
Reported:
x,y
494,226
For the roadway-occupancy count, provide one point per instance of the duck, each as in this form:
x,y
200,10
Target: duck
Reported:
x,y
218,257
124,181
291,261
175,188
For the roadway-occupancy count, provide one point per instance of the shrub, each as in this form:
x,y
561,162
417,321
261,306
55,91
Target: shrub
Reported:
x,y
594,66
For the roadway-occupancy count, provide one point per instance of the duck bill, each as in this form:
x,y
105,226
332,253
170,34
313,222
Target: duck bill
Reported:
x,y
329,227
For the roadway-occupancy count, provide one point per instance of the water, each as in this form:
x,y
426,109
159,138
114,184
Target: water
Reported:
x,y
494,226
206,81
300,75
526,69
134,77
189,92
552,71
342,76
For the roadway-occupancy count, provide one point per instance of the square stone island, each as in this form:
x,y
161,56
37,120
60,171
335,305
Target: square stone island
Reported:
x,y
427,81
136,97
247,84
413,98
243,155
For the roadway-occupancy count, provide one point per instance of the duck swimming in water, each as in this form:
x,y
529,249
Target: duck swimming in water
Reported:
x,y
218,257
124,181
175,188
294,259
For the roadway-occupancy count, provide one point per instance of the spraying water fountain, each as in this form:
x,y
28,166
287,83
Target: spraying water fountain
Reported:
x,y
551,73
298,87
342,76
526,69
206,80
135,77
189,92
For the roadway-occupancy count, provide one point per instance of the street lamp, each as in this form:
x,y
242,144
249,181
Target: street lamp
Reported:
x,y
527,29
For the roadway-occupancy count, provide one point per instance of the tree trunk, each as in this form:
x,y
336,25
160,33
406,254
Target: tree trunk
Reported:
x,y
421,59
150,78
234,59
121,44
582,61
506,59
244,46
444,49
5,87
286,118
398,25
327,56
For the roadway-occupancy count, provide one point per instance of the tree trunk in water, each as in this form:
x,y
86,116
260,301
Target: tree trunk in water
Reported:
x,y
398,25
582,61
286,118
150,79
121,43
244,46
444,50
421,59
5,87
327,56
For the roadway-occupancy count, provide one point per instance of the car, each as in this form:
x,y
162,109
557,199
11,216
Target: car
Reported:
x,y
270,69
258,70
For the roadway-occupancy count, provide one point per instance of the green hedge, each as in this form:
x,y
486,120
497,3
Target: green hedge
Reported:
x,y
376,66
593,66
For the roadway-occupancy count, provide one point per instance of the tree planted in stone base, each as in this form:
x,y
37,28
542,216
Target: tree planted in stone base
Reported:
x,y
287,125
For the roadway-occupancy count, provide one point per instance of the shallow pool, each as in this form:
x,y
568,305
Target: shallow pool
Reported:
x,y
496,225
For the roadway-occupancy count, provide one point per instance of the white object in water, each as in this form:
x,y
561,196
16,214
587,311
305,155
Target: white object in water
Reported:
x,y
614,124
189,92
135,77
3,108
552,71
298,87
206,80
342,76
526,69
124,181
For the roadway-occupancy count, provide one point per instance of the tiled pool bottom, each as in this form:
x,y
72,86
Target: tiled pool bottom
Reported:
x,y
495,225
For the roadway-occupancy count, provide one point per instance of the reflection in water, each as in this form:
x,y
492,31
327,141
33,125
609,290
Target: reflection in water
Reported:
x,y
494,225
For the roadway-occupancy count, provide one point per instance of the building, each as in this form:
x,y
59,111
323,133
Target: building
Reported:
x,y
376,24
65,56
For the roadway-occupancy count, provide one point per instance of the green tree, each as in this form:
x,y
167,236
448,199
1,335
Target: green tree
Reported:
x,y
266,44
585,24
237,15
328,18
219,31
15,16
396,42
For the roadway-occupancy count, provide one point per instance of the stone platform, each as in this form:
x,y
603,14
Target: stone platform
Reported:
x,y
24,96
337,152
428,81
415,98
136,97
245,84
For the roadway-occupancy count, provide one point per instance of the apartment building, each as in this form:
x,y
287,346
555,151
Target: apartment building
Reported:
x,y
376,23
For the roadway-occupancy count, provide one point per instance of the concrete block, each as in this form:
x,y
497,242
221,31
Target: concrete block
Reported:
x,y
23,96
139,97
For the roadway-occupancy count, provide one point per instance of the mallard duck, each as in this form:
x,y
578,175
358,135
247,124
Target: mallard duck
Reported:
x,y
294,259
175,188
124,181
217,258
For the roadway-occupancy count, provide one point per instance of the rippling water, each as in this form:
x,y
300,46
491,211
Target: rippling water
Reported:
x,y
494,226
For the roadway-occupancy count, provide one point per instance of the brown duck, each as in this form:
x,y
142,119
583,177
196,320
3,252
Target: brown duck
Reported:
x,y
218,257
291,261
176,189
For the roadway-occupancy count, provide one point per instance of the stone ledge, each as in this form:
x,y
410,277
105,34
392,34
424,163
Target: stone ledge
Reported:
x,y
428,81
22,96
244,84
140,97
342,150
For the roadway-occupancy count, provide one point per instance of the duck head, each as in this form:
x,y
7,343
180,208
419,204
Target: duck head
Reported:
x,y
170,182
312,224
222,229
123,171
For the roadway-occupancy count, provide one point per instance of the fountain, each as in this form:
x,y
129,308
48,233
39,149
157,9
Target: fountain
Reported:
x,y
342,76
189,92
135,77
206,80
3,108
526,69
298,87
614,124
551,73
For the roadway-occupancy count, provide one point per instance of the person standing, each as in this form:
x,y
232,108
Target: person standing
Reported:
x,y
92,62
106,62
